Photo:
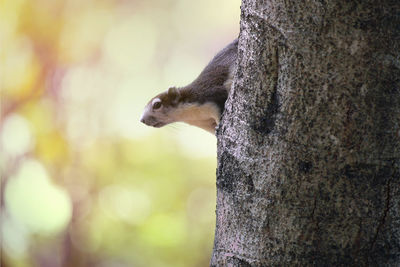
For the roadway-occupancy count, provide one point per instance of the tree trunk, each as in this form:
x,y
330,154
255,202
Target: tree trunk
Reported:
x,y
309,144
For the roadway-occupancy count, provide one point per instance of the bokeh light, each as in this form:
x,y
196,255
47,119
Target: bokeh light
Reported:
x,y
16,138
83,182
34,202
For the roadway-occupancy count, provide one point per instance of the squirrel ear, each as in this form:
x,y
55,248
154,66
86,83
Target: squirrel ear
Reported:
x,y
173,93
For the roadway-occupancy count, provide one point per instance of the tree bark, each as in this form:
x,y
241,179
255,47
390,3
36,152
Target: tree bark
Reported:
x,y
309,143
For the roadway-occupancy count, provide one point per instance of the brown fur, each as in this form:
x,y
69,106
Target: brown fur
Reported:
x,y
200,103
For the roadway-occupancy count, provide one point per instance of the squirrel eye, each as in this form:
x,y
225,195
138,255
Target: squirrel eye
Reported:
x,y
157,105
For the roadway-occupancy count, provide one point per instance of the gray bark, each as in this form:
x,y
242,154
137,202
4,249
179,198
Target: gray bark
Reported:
x,y
309,144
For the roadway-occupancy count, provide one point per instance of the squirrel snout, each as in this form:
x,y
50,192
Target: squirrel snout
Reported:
x,y
144,119
151,121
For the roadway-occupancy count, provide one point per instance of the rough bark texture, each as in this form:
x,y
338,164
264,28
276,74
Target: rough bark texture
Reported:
x,y
309,144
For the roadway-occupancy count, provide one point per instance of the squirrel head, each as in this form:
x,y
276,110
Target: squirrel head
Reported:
x,y
160,109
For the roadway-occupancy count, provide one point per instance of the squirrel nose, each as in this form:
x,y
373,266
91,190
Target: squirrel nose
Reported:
x,y
142,119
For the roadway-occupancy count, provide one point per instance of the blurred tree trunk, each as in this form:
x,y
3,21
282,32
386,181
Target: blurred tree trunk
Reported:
x,y
309,145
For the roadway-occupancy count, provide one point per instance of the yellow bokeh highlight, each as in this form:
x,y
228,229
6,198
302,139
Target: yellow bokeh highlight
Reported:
x,y
40,19
35,202
40,115
20,70
16,138
81,37
10,13
52,148
165,230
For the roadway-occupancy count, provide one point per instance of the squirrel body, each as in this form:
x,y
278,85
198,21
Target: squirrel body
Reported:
x,y
200,103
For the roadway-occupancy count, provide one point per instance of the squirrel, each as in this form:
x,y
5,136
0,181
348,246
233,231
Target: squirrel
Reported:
x,y
200,103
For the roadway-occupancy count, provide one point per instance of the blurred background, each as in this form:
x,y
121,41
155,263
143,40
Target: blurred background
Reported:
x,y
83,183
